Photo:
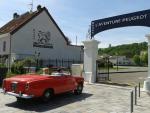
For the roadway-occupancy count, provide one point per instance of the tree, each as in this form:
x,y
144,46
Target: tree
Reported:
x,y
128,50
144,58
137,59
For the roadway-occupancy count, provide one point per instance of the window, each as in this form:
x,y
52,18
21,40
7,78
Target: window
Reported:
x,y
4,46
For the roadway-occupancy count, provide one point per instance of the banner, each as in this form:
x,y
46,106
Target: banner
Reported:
x,y
141,18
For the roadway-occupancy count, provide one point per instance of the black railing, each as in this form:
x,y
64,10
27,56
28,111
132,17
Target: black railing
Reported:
x,y
58,62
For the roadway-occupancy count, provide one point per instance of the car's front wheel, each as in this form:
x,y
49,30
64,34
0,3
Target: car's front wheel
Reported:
x,y
47,95
79,89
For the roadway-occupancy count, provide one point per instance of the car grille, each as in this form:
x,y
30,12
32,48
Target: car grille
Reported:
x,y
14,86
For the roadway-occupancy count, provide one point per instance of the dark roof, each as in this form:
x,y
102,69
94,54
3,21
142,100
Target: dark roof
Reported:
x,y
15,24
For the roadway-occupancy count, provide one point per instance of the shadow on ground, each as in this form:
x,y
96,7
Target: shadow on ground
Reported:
x,y
57,101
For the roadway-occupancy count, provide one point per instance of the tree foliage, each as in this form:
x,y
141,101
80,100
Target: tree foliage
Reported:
x,y
144,58
128,50
137,59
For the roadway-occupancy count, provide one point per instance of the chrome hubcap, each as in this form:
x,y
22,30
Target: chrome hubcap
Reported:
x,y
47,94
79,88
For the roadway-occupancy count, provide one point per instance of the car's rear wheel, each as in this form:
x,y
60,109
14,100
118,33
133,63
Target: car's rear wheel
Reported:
x,y
79,89
47,95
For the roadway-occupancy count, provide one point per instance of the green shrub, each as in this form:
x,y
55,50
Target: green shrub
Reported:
x,y
2,65
18,66
28,62
39,71
10,74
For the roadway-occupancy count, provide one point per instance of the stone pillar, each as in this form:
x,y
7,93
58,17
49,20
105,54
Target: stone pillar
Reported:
x,y
146,86
90,56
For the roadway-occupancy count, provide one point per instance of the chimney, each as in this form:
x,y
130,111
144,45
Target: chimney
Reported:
x,y
15,15
39,7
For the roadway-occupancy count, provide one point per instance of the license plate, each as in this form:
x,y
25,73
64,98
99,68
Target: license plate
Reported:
x,y
14,86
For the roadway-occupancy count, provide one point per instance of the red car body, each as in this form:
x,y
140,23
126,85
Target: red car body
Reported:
x,y
33,85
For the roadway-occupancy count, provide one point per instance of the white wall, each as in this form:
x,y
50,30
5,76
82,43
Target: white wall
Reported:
x,y
22,40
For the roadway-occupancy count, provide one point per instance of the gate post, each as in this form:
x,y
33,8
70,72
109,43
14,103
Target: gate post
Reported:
x,y
146,86
90,57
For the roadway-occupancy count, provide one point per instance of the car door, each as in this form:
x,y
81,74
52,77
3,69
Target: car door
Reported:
x,y
70,82
60,84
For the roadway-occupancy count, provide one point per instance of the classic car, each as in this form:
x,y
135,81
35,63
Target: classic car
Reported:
x,y
45,86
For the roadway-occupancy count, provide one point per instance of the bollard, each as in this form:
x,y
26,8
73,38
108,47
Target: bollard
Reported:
x,y
139,89
131,102
135,95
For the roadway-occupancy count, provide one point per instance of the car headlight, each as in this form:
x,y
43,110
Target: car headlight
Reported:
x,y
27,86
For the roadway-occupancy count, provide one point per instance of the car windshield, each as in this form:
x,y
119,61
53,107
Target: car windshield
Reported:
x,y
59,74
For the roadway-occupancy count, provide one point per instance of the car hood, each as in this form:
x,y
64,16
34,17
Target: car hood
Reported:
x,y
27,78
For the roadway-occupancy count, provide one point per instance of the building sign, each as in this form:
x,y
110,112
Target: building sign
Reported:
x,y
141,18
42,39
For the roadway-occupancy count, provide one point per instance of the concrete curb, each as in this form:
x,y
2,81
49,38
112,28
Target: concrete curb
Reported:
x,y
107,85
125,72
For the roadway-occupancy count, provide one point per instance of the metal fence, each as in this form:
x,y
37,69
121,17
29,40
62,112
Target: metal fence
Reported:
x,y
58,62
102,73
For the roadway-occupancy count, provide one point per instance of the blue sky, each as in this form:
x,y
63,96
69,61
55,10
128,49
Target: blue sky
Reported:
x,y
75,16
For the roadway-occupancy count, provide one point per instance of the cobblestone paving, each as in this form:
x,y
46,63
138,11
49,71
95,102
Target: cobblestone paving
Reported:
x,y
96,98
143,104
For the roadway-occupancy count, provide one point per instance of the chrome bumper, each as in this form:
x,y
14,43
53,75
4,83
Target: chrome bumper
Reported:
x,y
25,96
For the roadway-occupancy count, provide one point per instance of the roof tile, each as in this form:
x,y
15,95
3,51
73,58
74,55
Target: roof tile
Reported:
x,y
15,23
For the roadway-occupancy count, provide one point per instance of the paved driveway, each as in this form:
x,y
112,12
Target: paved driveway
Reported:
x,y
129,78
97,98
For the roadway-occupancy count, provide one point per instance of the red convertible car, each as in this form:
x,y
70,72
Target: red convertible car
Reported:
x,y
44,86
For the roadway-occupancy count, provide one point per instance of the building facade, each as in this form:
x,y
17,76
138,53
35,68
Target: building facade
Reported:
x,y
36,34
121,61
